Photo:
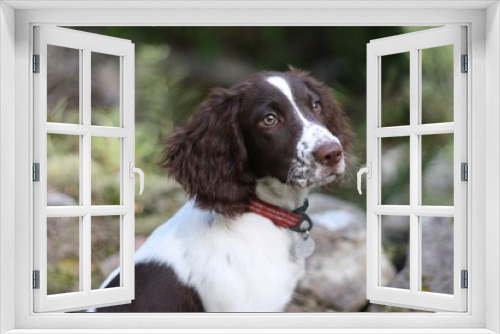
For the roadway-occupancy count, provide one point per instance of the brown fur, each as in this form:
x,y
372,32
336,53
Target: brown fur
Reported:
x,y
209,156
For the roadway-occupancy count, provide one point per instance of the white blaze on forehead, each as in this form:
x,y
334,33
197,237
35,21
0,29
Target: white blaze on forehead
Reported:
x,y
311,130
313,135
284,87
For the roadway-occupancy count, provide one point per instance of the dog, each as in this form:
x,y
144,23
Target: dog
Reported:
x,y
263,143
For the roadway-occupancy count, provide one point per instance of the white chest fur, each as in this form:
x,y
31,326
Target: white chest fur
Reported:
x,y
236,265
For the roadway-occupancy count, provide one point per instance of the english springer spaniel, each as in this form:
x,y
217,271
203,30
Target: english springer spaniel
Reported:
x,y
247,158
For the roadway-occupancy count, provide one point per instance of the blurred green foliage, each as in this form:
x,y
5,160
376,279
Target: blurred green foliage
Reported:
x,y
63,277
63,166
395,81
105,170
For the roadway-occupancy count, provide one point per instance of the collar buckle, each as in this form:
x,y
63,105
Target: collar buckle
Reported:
x,y
305,224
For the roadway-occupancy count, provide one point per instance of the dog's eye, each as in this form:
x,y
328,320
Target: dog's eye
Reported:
x,y
270,120
316,106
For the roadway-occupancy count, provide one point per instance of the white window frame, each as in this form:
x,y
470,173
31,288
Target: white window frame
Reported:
x,y
414,43
483,21
85,43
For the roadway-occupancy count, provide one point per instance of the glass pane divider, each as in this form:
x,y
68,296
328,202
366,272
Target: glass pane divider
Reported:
x,y
85,236
433,129
392,131
94,210
81,83
434,211
392,210
414,253
109,210
81,178
380,250
419,129
85,167
67,211
122,92
81,267
86,254
122,250
86,108
105,131
123,172
81,130
419,210
420,256
415,180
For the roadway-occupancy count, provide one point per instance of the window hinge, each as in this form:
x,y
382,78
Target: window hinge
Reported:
x,y
36,279
464,168
465,64
36,63
36,172
465,279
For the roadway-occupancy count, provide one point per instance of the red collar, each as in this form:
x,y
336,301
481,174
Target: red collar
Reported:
x,y
297,220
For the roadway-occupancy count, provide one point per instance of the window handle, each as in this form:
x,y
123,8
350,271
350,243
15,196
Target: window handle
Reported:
x,y
368,171
133,170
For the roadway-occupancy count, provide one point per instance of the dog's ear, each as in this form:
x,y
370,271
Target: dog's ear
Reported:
x,y
208,156
331,111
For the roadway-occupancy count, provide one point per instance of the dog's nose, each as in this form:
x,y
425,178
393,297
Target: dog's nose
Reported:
x,y
329,154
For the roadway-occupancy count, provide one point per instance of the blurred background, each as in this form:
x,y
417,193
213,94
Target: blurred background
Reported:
x,y
175,68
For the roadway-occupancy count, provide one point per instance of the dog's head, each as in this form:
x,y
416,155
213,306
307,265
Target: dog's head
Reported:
x,y
281,125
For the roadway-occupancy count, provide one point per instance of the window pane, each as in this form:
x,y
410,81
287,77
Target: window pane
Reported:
x,y
395,89
63,169
63,251
437,254
63,84
395,233
437,84
105,89
105,247
395,168
105,171
437,169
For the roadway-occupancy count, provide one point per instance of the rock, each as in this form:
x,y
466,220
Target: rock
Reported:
x,y
339,218
336,272
395,159
55,198
437,260
437,181
437,254
304,301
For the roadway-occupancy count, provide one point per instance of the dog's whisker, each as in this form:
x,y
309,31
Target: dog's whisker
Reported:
x,y
287,185
351,171
350,174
